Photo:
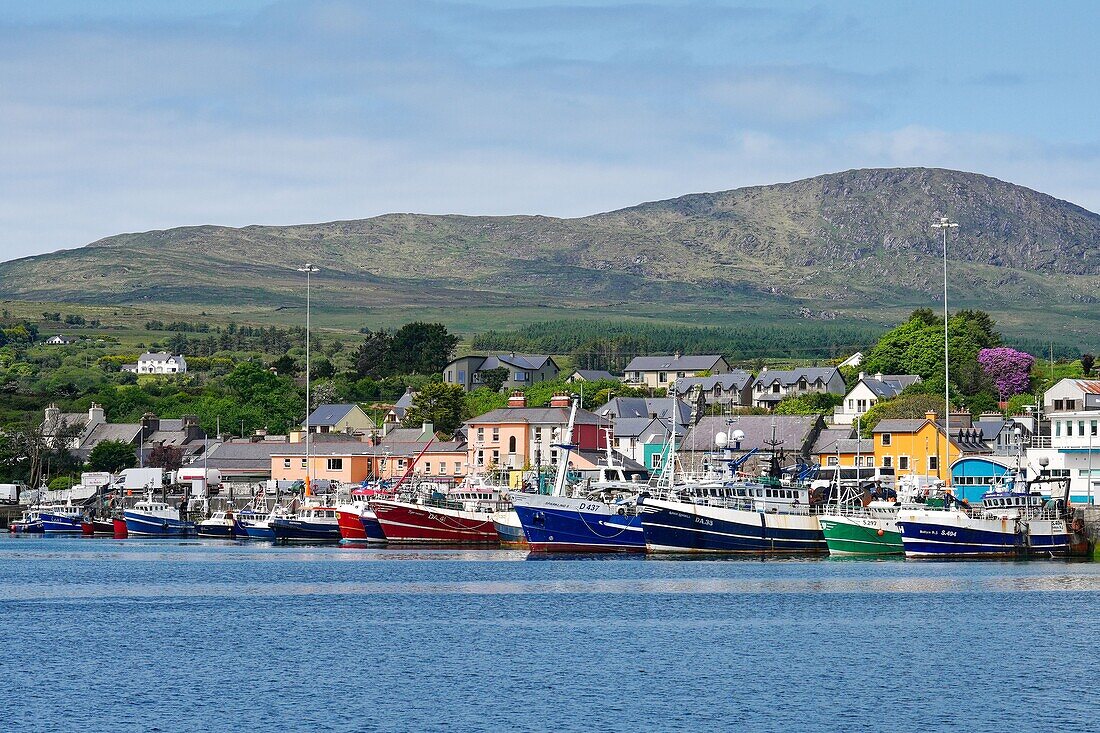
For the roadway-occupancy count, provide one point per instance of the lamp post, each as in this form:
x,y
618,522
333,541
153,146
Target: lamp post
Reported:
x,y
309,269
944,224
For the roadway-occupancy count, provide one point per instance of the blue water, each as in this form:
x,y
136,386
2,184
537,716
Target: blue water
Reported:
x,y
100,634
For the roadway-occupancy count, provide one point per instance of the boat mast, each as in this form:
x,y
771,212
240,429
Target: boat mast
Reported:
x,y
565,446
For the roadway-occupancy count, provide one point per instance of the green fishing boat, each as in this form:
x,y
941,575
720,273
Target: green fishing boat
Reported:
x,y
867,532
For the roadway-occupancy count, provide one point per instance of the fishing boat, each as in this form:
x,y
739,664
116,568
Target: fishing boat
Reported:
x,y
253,524
66,518
763,515
599,517
30,522
509,528
98,526
219,524
151,518
1015,520
358,523
311,523
866,523
439,514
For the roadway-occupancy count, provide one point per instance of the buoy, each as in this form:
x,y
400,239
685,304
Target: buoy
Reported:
x,y
881,533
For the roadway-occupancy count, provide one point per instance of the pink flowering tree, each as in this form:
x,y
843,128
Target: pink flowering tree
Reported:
x,y
1009,369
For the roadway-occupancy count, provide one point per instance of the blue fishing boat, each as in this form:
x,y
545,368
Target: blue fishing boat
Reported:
x,y
219,524
62,519
29,523
1017,520
310,524
150,518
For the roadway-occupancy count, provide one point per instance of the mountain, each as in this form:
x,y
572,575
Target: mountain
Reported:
x,y
854,242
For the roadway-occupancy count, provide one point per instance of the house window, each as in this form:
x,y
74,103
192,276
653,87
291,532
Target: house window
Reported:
x,y
462,376
1057,404
512,444
933,463
1057,428
1092,428
1069,428
335,464
662,376
802,384
887,461
775,388
401,464
496,435
443,467
427,466
481,434
521,377
1071,404
886,438
1081,428
679,375
304,464
448,376
496,456
481,458
903,463
832,461
286,463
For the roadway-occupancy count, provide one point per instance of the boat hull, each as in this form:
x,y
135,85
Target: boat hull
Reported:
x,y
561,524
146,525
404,522
671,526
356,527
119,526
509,529
955,534
860,536
34,527
304,530
61,524
222,531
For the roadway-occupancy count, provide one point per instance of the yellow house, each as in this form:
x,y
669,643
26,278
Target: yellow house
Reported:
x,y
922,447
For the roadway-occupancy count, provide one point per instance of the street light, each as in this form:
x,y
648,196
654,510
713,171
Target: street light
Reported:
x,y
944,224
309,269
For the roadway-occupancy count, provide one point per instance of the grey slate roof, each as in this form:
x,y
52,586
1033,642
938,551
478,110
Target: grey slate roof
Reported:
x,y
671,362
899,425
828,438
157,356
625,407
788,377
632,427
329,415
795,432
593,375
243,457
737,379
533,362
990,428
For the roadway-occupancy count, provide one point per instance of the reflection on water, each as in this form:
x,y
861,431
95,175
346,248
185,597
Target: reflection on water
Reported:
x,y
219,635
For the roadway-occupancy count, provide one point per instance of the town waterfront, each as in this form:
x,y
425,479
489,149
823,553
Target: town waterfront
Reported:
x,y
102,634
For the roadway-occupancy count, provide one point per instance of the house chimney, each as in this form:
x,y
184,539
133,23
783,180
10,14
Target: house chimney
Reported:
x,y
96,415
878,376
676,355
561,400
53,414
427,431
930,415
862,375
150,423
517,399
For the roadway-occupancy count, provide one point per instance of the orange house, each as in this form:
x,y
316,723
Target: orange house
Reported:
x,y
517,435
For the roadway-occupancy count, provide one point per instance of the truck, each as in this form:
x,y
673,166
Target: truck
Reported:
x,y
9,493
140,479
199,478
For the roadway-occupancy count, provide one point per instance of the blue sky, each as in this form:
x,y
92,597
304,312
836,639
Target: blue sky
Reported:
x,y
128,115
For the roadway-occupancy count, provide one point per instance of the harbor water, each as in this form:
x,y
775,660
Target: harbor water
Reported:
x,y
101,634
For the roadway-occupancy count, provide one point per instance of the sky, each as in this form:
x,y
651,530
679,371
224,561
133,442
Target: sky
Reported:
x,y
131,115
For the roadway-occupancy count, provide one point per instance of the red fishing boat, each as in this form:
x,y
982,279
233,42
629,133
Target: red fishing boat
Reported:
x,y
461,515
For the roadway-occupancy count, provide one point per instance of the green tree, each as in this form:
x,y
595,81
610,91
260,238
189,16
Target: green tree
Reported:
x,y
286,365
112,456
373,358
422,348
482,400
494,379
441,404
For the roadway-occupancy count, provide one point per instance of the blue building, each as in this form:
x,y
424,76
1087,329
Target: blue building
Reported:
x,y
972,476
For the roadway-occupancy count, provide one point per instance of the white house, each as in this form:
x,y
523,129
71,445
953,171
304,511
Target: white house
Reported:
x,y
59,340
158,363
1073,453
772,386
659,371
869,390
1071,394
